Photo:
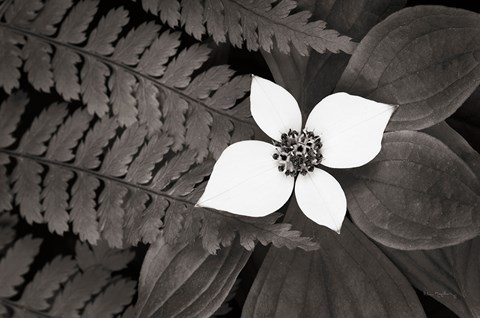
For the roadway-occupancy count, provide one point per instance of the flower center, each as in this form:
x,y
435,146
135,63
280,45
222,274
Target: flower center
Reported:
x,y
298,153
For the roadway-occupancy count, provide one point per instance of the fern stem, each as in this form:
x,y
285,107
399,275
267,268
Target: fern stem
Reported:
x,y
11,304
115,64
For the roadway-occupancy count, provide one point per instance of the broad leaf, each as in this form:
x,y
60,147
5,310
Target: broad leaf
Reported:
x,y
424,59
416,194
451,275
183,280
347,277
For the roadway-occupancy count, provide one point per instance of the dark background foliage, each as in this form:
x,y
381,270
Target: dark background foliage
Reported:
x,y
243,62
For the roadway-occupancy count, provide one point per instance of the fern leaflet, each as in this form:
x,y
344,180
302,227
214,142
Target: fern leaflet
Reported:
x,y
16,263
258,24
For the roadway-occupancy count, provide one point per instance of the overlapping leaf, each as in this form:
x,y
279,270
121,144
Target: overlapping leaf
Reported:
x,y
116,183
416,194
457,144
183,280
144,76
347,277
424,59
60,288
257,24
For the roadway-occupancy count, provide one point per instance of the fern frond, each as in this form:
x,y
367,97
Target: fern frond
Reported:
x,y
125,185
258,24
62,288
144,76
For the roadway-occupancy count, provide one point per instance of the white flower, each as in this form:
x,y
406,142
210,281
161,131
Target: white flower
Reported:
x,y
255,178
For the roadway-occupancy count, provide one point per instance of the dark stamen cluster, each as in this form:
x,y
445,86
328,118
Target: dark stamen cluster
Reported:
x,y
298,153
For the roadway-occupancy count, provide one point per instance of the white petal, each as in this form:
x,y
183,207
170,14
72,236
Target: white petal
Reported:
x,y
321,198
274,109
246,181
350,127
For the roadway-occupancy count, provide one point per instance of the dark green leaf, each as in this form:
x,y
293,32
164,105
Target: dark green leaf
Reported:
x,y
416,194
424,59
184,280
347,277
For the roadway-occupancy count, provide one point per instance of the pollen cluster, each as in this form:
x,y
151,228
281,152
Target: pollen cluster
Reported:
x,y
298,153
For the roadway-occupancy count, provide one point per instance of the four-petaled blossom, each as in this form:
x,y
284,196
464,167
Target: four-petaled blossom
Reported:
x,y
255,178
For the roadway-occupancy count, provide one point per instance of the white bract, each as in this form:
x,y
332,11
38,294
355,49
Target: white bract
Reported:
x,y
255,178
